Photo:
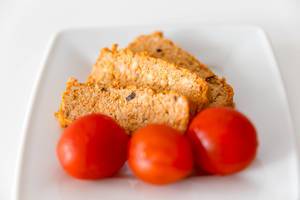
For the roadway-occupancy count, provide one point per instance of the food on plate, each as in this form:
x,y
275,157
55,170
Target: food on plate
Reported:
x,y
224,140
137,102
92,147
123,67
131,107
159,154
220,93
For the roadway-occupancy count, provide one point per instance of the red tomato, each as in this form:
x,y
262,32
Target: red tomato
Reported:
x,y
224,140
92,147
159,154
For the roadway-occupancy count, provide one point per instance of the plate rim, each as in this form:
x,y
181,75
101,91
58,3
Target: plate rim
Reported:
x,y
29,112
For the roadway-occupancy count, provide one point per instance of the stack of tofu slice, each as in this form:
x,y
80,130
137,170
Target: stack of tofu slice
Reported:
x,y
152,80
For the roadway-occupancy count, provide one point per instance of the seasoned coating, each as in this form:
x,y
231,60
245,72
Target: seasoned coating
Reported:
x,y
131,107
123,67
156,45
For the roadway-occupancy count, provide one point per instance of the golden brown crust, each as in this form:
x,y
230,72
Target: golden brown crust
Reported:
x,y
220,93
123,67
130,106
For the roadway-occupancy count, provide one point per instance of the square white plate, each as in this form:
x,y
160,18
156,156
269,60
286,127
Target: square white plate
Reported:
x,y
242,54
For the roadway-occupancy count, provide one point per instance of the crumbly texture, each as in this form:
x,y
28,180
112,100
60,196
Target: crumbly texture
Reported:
x,y
123,67
220,93
131,107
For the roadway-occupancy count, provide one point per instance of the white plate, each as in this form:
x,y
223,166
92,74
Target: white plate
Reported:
x,y
241,54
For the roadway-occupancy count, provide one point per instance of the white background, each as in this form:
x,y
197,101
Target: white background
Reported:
x,y
26,27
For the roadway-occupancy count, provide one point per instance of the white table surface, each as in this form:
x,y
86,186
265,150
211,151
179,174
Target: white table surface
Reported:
x,y
26,27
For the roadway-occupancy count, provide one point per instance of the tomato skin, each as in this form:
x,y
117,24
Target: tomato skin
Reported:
x,y
92,147
159,154
224,140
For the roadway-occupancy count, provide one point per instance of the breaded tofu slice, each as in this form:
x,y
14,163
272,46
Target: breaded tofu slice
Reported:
x,y
131,107
220,93
123,67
